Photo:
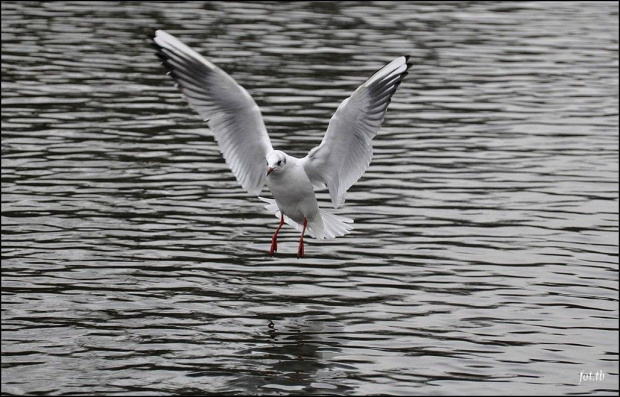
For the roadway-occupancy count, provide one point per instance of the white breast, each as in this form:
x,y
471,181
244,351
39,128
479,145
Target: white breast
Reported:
x,y
293,192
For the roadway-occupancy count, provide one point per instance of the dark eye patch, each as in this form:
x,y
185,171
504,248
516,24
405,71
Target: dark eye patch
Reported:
x,y
279,162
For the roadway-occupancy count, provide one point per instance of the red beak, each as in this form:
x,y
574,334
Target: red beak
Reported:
x,y
269,170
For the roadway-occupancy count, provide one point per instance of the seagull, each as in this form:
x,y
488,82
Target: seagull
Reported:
x,y
236,122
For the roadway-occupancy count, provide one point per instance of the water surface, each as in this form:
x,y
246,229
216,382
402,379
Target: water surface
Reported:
x,y
485,254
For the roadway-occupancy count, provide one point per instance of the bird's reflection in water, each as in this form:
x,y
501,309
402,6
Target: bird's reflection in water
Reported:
x,y
296,357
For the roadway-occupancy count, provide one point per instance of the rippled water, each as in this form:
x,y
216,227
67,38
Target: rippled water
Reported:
x,y
485,254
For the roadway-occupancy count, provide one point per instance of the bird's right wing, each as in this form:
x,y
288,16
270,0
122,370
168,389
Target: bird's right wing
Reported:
x,y
232,114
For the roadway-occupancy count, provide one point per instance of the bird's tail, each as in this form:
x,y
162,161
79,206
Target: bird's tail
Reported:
x,y
333,225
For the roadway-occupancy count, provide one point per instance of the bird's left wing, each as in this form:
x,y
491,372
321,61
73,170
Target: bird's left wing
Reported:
x,y
232,114
346,150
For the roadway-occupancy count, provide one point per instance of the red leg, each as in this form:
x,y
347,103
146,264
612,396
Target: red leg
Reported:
x,y
274,239
300,250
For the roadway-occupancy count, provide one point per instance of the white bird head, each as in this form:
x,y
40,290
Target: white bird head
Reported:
x,y
276,161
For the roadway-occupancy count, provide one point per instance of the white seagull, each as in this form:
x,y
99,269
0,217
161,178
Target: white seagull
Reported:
x,y
237,124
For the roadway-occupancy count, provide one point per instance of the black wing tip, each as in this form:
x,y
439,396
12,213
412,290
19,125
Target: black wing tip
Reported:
x,y
160,53
153,43
407,61
163,58
156,46
159,50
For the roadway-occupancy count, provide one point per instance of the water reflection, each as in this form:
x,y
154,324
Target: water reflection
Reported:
x,y
296,359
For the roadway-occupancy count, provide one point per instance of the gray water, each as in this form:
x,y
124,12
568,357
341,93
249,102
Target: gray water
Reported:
x,y
485,254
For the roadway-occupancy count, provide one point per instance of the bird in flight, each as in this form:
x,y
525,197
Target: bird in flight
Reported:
x,y
237,124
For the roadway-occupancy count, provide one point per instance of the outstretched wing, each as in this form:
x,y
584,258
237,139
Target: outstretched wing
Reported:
x,y
232,114
346,150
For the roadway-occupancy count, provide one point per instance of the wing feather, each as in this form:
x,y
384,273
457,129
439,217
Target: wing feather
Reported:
x,y
232,114
346,150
